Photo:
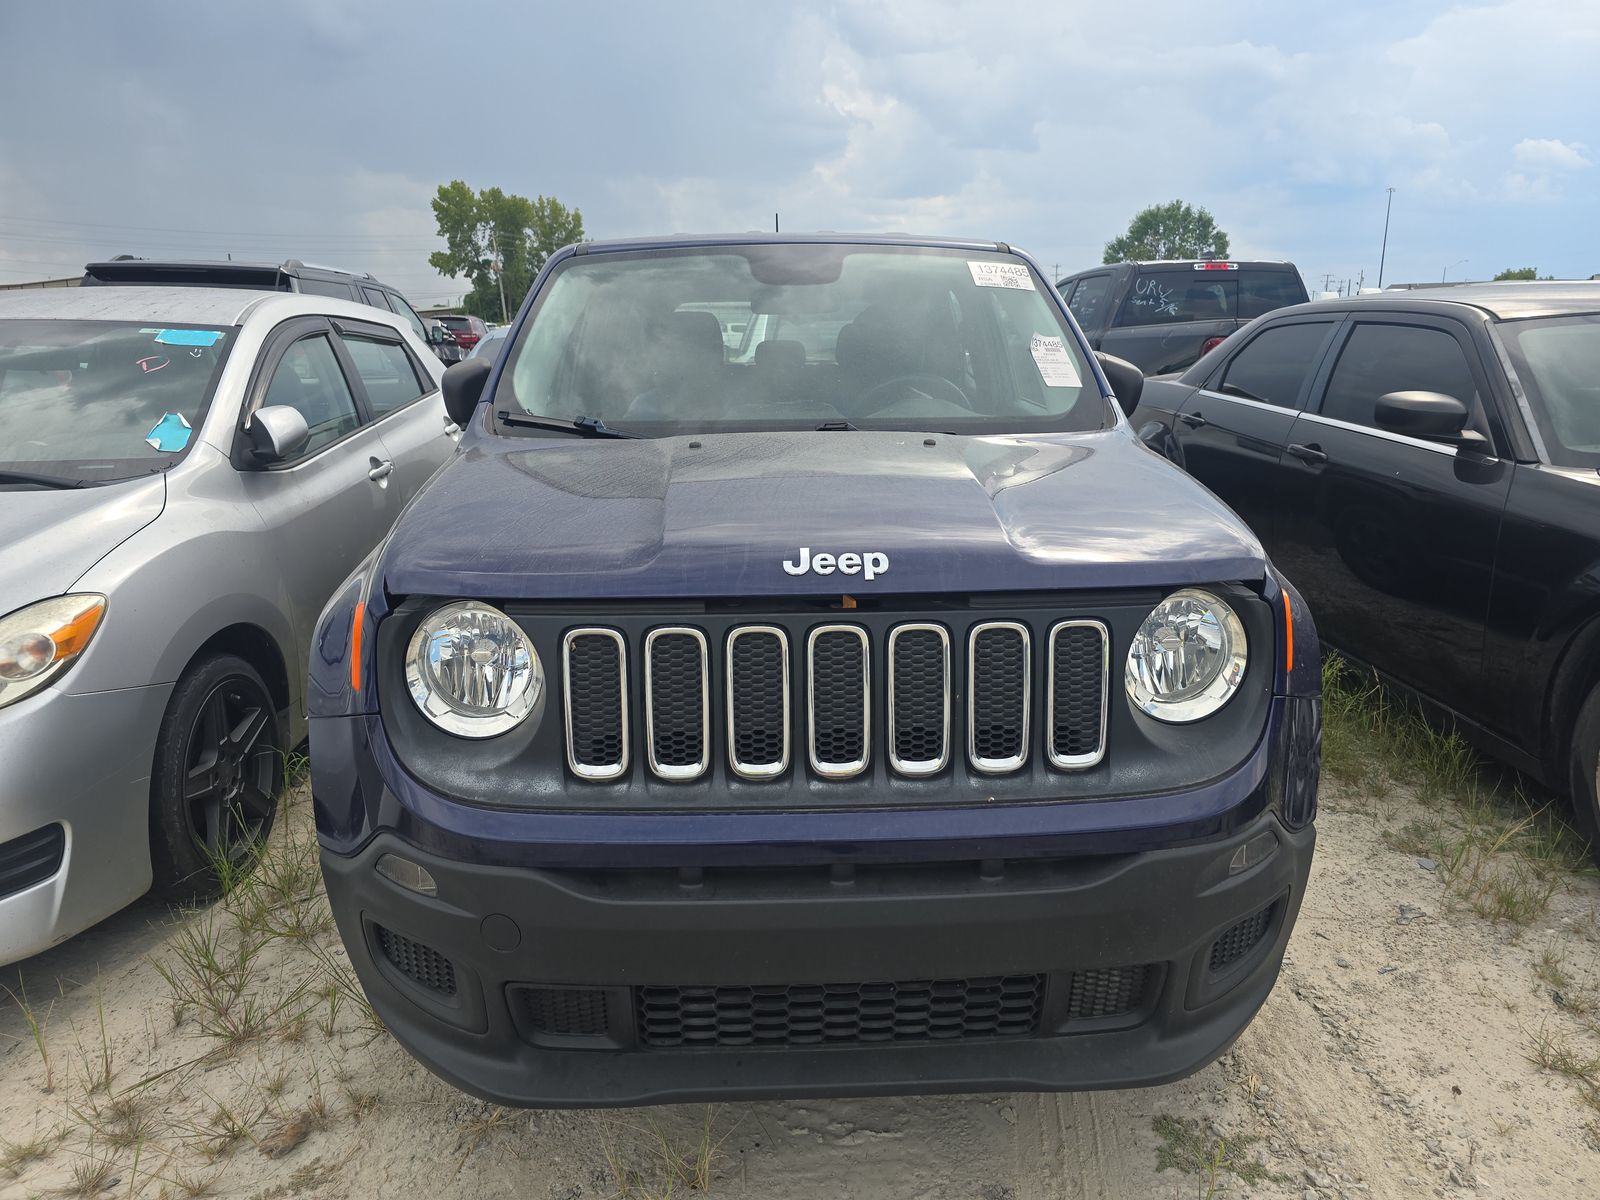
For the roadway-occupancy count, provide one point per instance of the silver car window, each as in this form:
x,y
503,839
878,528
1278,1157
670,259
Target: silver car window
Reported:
x,y
308,378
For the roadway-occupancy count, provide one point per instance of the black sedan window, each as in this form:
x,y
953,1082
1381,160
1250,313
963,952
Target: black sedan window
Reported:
x,y
1379,359
1558,363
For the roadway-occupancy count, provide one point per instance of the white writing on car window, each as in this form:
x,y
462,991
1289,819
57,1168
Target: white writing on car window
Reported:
x,y
1148,292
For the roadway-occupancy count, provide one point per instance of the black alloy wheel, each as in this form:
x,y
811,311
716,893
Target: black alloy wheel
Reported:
x,y
218,771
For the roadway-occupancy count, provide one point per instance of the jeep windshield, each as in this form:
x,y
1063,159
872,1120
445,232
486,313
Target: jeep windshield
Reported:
x,y
85,402
799,336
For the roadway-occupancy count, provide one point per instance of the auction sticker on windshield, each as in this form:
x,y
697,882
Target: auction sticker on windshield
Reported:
x,y
1001,275
1055,364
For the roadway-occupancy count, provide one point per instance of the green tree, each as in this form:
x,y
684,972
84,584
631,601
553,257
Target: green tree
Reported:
x,y
1518,273
492,237
1175,230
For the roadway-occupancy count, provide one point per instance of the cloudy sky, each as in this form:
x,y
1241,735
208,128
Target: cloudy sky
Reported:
x,y
319,129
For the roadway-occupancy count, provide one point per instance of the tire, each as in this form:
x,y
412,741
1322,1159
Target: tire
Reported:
x,y
1585,772
214,787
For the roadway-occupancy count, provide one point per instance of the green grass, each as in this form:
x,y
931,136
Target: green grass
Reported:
x,y
1210,1157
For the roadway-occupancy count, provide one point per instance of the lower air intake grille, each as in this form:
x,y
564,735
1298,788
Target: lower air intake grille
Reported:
x,y
1238,940
31,858
1106,992
838,1014
421,964
562,1012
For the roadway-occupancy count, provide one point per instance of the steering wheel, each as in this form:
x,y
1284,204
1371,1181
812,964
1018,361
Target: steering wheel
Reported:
x,y
939,384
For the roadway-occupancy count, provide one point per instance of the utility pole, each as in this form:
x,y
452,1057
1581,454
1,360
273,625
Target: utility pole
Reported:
x,y
1384,253
1327,282
774,222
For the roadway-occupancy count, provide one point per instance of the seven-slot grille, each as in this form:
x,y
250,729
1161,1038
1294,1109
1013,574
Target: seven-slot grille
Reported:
x,y
752,672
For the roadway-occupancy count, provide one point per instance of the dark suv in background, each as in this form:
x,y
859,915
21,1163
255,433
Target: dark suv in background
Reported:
x,y
1162,316
291,275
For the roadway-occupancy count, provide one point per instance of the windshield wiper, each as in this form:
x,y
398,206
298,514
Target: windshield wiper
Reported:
x,y
585,426
840,426
50,481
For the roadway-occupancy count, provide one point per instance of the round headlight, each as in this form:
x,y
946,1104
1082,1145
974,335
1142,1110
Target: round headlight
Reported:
x,y
1187,659
472,671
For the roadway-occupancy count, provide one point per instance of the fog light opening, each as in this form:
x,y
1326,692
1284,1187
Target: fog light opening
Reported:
x,y
1257,850
409,875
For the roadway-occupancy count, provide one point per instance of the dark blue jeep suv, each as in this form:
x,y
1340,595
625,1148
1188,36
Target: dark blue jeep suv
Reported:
x,y
802,682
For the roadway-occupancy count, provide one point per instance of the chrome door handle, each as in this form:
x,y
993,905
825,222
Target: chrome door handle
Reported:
x,y
1192,420
1308,454
381,471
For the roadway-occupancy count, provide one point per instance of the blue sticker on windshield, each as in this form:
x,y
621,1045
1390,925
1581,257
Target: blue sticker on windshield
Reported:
x,y
170,435
188,337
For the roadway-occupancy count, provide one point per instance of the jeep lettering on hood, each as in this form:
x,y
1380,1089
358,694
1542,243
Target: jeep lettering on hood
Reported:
x,y
868,565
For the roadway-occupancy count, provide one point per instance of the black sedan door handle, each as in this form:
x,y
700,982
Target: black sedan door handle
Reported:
x,y
1310,454
1192,420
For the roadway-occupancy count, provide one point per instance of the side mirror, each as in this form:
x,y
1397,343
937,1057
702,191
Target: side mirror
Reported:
x,y
277,432
1127,381
437,335
463,388
1422,414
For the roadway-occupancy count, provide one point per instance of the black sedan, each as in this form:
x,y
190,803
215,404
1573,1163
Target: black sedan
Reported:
x,y
1426,467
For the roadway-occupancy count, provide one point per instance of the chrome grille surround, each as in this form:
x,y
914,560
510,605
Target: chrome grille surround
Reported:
x,y
988,765
758,771
595,772
913,767
849,768
1076,762
679,772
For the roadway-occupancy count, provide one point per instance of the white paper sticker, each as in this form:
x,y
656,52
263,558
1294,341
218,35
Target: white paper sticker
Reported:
x,y
1055,365
1001,275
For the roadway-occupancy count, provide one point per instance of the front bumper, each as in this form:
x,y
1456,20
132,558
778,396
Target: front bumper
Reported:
x,y
1121,951
82,762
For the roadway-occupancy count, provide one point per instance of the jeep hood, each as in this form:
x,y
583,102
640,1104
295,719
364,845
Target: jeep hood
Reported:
x,y
49,537
717,515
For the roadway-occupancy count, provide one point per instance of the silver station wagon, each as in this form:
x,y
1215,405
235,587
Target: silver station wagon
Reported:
x,y
186,474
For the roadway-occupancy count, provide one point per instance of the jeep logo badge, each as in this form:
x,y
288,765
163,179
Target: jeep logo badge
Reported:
x,y
869,565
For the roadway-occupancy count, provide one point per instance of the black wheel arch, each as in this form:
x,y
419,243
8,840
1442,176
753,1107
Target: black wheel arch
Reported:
x,y
258,648
1576,675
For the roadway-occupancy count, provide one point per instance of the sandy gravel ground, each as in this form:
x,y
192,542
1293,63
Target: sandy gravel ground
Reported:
x,y
1395,1058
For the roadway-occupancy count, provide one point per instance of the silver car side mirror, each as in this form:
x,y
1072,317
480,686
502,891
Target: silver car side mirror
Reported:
x,y
277,432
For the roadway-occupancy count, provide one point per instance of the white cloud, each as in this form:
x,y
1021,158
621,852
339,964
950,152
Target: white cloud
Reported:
x,y
1548,154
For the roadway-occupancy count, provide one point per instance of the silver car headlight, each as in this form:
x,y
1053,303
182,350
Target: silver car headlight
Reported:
x,y
472,671
1187,659
39,642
